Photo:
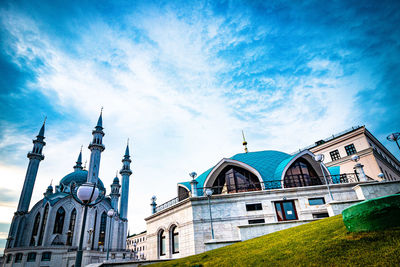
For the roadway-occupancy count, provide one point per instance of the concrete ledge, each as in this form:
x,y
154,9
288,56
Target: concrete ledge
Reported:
x,y
250,231
336,207
213,244
376,189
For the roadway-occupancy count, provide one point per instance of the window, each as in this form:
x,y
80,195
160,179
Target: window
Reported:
x,y
316,201
386,175
251,207
285,210
35,229
59,221
18,257
103,224
320,215
9,257
391,178
350,149
233,179
256,221
71,227
31,257
175,240
43,226
300,174
161,243
335,155
46,256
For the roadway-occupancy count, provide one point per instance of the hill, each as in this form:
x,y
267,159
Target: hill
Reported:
x,y
321,243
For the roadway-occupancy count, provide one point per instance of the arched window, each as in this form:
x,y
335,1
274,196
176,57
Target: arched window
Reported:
x,y
94,228
43,226
233,179
174,239
35,229
59,221
71,227
182,193
103,224
301,174
161,243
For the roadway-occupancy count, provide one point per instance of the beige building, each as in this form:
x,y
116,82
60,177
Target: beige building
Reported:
x,y
339,149
136,243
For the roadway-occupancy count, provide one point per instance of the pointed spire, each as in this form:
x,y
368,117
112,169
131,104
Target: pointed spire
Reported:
x,y
100,120
41,132
127,149
78,165
244,143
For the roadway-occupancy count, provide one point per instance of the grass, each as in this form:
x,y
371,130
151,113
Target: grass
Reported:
x,y
321,243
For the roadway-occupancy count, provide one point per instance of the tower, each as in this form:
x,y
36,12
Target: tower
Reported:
x,y
96,147
35,157
125,172
115,186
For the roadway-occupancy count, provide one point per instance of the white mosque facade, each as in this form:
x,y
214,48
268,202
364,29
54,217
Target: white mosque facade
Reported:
x,y
48,234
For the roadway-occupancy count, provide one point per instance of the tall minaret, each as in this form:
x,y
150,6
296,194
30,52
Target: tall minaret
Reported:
x,y
35,157
115,186
125,172
96,147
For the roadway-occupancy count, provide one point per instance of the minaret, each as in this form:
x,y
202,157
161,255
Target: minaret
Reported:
x,y
35,157
96,147
78,166
115,186
125,172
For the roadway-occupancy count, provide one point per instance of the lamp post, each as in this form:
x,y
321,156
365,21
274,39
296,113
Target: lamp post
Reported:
x,y
394,137
320,158
209,193
134,250
110,214
88,195
381,176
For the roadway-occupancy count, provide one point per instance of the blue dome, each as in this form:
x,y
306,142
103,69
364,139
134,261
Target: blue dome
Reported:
x,y
116,180
78,177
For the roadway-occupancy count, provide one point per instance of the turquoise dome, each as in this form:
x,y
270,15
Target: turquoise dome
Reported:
x,y
78,177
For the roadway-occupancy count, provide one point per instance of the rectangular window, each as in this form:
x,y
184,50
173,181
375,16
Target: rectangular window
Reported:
x,y
46,256
251,207
350,149
31,257
316,201
18,257
9,257
335,155
320,215
256,221
285,210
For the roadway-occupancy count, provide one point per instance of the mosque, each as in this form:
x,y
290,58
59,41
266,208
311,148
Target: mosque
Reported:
x,y
48,234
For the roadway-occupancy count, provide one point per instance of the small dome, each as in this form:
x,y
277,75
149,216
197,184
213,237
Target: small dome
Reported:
x,y
50,187
116,180
78,177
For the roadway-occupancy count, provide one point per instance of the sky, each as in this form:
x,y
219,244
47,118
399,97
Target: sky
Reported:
x,y
182,79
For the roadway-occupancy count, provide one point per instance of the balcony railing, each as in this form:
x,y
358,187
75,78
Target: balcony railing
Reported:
x,y
289,182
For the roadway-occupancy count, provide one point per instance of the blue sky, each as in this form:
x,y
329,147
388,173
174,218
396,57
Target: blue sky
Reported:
x,y
181,79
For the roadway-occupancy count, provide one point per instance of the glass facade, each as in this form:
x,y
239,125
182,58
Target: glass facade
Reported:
x,y
233,179
301,174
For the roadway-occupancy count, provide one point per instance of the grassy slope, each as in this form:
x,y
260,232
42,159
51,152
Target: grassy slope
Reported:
x,y
322,243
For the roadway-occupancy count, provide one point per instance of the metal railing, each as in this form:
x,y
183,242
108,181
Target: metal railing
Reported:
x,y
288,182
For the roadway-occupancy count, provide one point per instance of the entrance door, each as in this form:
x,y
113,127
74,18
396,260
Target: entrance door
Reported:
x,y
285,210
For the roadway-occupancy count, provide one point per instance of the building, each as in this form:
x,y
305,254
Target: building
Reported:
x,y
338,150
256,193
136,243
48,233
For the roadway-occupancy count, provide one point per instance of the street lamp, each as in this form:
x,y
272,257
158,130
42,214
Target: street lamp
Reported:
x,y
394,137
381,176
88,195
320,158
134,250
209,193
110,214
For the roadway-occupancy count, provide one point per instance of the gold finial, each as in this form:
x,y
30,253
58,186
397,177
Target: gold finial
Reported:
x,y
84,166
51,183
101,111
81,148
244,143
116,174
127,142
45,118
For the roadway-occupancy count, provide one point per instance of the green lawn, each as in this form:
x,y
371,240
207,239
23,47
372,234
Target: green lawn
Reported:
x,y
321,243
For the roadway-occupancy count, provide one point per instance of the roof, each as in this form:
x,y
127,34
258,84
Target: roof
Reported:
x,y
269,163
79,177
